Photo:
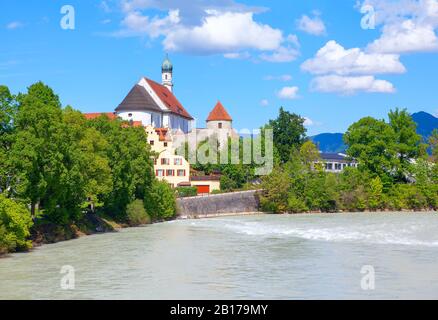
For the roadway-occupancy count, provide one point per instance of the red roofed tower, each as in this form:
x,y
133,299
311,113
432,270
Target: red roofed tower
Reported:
x,y
219,118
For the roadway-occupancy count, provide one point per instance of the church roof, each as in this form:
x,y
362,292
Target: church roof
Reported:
x,y
169,99
139,99
219,113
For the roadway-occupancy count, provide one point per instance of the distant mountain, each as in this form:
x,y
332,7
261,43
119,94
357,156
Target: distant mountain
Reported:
x,y
426,123
330,142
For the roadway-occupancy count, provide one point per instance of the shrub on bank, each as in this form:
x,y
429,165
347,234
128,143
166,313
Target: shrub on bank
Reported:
x,y
15,222
136,213
160,201
184,192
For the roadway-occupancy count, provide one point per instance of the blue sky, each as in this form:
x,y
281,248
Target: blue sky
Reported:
x,y
312,57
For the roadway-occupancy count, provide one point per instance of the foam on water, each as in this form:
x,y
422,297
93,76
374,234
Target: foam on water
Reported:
x,y
404,233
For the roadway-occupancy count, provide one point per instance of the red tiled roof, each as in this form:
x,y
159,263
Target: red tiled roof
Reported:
x,y
162,133
219,114
90,116
169,100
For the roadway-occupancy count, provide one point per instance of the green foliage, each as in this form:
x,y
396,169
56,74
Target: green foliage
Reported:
x,y
289,132
276,191
15,222
433,143
160,201
128,155
136,213
371,142
184,192
375,194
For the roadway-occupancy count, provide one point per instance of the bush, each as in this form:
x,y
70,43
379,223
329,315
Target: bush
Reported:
x,y
296,205
15,222
136,213
160,201
183,192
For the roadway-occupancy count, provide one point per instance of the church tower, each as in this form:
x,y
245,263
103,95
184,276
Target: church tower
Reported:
x,y
167,72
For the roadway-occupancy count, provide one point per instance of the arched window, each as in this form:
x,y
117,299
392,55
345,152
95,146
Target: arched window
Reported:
x,y
220,125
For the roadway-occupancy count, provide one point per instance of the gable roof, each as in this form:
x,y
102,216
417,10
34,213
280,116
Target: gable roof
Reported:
x,y
138,99
168,99
219,113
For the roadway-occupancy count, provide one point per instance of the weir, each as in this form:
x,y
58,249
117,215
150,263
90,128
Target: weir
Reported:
x,y
244,202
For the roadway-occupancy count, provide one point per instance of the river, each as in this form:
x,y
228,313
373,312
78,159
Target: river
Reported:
x,y
248,257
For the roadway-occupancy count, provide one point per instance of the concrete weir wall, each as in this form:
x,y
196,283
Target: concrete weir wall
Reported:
x,y
218,205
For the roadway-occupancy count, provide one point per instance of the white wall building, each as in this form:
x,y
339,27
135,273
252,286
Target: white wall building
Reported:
x,y
155,104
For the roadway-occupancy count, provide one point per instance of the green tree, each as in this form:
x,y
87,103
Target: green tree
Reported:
x,y
276,188
130,161
160,201
37,152
91,150
137,214
407,142
310,155
433,143
7,112
371,142
15,222
375,193
289,132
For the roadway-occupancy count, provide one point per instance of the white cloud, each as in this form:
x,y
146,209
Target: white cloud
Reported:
x,y
264,103
224,33
407,25
288,93
282,54
14,25
293,38
333,58
351,85
237,55
136,24
206,28
308,122
406,37
314,25
284,77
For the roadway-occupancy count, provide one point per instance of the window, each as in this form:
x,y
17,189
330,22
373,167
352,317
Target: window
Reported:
x,y
165,161
160,173
220,125
338,166
152,142
170,173
178,162
181,173
165,144
329,166
130,115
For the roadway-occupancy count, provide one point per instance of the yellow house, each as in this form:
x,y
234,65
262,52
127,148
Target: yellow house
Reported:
x,y
168,167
